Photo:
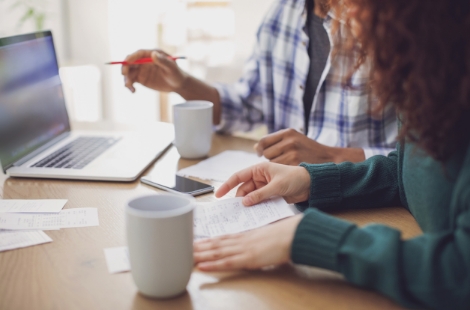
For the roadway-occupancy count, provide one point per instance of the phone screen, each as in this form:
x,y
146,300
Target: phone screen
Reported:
x,y
176,183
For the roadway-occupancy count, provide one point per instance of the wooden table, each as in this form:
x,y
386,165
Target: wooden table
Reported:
x,y
71,272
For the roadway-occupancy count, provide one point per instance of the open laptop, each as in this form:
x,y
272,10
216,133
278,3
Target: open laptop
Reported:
x,y
35,135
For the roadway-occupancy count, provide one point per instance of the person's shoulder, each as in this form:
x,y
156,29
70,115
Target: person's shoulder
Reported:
x,y
292,3
283,18
286,7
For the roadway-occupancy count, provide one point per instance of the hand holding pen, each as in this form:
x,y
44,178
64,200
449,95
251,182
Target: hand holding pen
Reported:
x,y
164,76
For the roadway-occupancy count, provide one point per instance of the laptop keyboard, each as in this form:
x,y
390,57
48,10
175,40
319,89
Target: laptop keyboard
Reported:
x,y
78,153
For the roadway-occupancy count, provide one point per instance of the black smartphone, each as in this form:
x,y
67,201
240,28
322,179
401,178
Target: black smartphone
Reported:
x,y
177,184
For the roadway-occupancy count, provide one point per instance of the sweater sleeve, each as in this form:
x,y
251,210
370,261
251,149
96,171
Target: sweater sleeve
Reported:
x,y
371,183
430,271
372,151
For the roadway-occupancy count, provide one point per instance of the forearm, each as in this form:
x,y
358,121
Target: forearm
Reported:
x,y
372,183
429,271
354,155
195,89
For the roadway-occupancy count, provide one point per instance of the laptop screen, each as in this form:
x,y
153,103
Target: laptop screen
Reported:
x,y
32,105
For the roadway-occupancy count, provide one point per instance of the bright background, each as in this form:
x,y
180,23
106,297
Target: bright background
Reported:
x,y
216,36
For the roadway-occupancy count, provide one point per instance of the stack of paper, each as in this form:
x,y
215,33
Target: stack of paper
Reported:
x,y
22,221
222,166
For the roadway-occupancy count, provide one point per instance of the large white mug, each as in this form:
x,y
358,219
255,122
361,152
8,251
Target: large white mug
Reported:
x,y
160,241
193,128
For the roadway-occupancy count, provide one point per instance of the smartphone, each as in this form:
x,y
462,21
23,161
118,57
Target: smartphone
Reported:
x,y
177,184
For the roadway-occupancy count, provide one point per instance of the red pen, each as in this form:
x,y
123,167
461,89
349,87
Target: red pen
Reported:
x,y
141,61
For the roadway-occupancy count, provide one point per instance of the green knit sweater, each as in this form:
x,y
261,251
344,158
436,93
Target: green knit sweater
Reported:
x,y
431,270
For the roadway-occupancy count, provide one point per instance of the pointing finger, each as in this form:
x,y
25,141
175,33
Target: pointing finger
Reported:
x,y
239,177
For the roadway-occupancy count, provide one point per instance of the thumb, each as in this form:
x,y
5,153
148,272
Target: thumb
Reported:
x,y
256,148
259,195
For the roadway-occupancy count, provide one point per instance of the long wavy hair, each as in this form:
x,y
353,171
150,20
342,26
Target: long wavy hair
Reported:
x,y
419,51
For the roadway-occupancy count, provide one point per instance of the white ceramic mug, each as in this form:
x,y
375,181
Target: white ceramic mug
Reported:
x,y
160,241
193,128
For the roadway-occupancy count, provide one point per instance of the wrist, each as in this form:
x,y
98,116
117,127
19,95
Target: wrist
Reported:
x,y
287,229
349,154
317,239
319,153
305,181
325,190
183,85
192,88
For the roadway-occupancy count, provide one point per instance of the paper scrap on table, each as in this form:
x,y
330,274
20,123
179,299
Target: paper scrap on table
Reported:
x,y
222,166
229,216
32,206
80,217
117,259
10,240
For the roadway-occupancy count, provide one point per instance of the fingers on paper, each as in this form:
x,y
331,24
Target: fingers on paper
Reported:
x,y
259,195
223,253
246,188
216,254
235,262
254,190
212,243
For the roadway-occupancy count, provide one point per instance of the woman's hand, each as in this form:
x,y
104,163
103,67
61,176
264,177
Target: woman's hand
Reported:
x,y
265,246
162,75
262,247
266,180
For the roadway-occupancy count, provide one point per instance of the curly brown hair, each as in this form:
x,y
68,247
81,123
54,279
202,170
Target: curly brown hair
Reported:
x,y
420,56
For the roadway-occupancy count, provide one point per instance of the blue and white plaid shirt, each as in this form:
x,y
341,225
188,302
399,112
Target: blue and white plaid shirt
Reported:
x,y
272,87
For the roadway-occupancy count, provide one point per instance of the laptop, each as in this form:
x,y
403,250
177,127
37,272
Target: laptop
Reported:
x,y
36,139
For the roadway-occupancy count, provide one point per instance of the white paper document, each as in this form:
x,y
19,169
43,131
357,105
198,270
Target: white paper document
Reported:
x,y
229,216
80,217
222,166
32,206
117,259
10,240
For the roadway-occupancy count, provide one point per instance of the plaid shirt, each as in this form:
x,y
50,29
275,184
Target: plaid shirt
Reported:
x,y
272,87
